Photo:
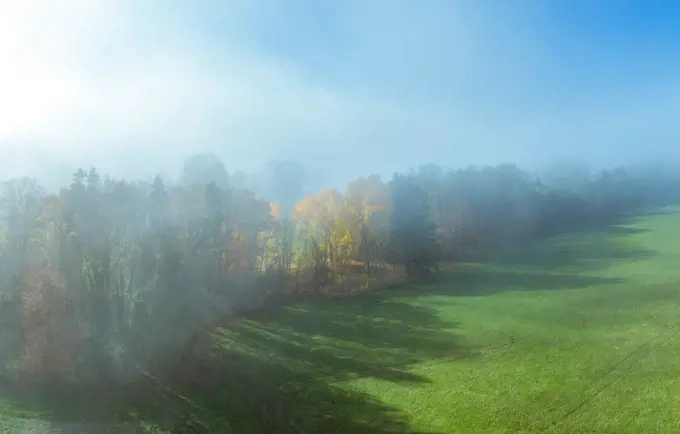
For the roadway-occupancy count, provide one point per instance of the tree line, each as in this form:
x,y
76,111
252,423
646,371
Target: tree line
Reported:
x,y
108,278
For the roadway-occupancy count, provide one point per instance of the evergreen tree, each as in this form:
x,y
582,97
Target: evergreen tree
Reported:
x,y
412,236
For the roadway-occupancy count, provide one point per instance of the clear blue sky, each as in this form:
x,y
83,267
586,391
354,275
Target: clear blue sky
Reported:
x,y
349,86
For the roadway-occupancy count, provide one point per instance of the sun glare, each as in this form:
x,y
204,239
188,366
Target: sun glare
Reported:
x,y
31,90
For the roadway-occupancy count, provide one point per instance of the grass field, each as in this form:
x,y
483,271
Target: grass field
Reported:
x,y
577,334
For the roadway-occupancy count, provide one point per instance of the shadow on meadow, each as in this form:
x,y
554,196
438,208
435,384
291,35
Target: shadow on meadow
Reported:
x,y
558,263
582,252
473,280
275,372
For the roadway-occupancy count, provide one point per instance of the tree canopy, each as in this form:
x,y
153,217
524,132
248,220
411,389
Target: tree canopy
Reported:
x,y
107,277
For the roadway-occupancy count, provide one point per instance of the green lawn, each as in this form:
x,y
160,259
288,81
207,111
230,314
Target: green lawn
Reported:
x,y
575,334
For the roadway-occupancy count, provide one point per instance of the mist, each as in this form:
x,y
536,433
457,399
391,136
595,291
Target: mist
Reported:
x,y
217,215
345,88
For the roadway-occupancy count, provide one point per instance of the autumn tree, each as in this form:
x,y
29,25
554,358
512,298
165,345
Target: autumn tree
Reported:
x,y
365,219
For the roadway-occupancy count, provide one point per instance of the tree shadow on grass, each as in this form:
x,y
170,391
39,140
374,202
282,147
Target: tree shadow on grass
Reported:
x,y
618,230
590,248
292,362
280,371
561,262
670,208
558,263
376,330
587,251
480,280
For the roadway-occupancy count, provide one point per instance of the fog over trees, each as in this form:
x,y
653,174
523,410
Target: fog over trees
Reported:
x,y
107,279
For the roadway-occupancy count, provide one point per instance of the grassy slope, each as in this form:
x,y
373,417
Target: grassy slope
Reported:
x,y
584,339
577,334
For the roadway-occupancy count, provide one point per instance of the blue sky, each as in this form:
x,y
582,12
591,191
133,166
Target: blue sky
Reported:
x,y
347,86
